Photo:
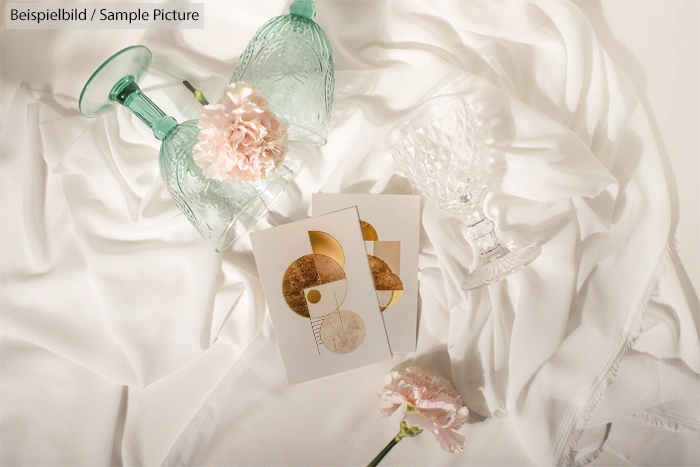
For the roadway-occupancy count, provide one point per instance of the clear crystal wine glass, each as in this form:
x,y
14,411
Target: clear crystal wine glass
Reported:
x,y
290,61
440,150
221,212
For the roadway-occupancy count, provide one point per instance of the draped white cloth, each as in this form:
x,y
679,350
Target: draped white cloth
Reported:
x,y
126,340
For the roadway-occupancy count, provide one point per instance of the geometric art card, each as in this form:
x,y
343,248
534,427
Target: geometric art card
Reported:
x,y
391,228
320,292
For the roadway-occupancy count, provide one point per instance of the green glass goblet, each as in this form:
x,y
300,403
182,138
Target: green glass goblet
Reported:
x,y
221,212
290,61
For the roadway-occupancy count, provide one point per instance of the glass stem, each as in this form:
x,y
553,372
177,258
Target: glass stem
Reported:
x,y
482,230
128,93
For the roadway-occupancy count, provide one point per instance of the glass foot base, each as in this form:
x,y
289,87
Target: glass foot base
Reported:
x,y
95,99
501,267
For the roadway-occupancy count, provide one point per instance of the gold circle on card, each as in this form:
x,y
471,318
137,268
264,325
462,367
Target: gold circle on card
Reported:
x,y
314,296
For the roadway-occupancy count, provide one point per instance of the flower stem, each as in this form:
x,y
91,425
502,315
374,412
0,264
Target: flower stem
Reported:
x,y
394,441
403,432
199,95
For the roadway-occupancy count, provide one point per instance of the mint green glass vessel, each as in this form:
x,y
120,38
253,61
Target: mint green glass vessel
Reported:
x,y
221,212
290,61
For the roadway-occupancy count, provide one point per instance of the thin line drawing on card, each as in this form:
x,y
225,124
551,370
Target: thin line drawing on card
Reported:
x,y
315,286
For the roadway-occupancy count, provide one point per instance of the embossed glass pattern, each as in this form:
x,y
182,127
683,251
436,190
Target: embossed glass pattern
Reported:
x,y
440,150
290,61
220,211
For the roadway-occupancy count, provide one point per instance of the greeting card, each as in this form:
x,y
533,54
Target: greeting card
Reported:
x,y
320,293
390,228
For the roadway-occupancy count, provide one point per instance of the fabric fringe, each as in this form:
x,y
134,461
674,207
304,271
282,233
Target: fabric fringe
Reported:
x,y
666,424
591,457
635,331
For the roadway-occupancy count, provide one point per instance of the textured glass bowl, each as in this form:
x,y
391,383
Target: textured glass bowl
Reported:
x,y
221,212
290,61
440,150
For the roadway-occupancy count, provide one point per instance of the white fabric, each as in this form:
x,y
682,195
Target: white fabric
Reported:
x,y
126,340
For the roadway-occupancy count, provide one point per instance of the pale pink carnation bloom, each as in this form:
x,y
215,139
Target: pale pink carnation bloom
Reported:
x,y
437,407
240,139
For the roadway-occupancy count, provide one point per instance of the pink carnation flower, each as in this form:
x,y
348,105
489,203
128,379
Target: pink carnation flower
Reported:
x,y
432,405
240,139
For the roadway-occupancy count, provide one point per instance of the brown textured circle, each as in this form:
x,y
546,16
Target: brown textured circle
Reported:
x,y
306,272
343,331
300,275
314,296
384,279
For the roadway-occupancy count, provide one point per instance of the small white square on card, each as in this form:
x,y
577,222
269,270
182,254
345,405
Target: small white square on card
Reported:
x,y
320,293
391,230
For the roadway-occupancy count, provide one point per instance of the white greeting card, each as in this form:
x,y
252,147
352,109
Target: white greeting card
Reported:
x,y
391,230
320,293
